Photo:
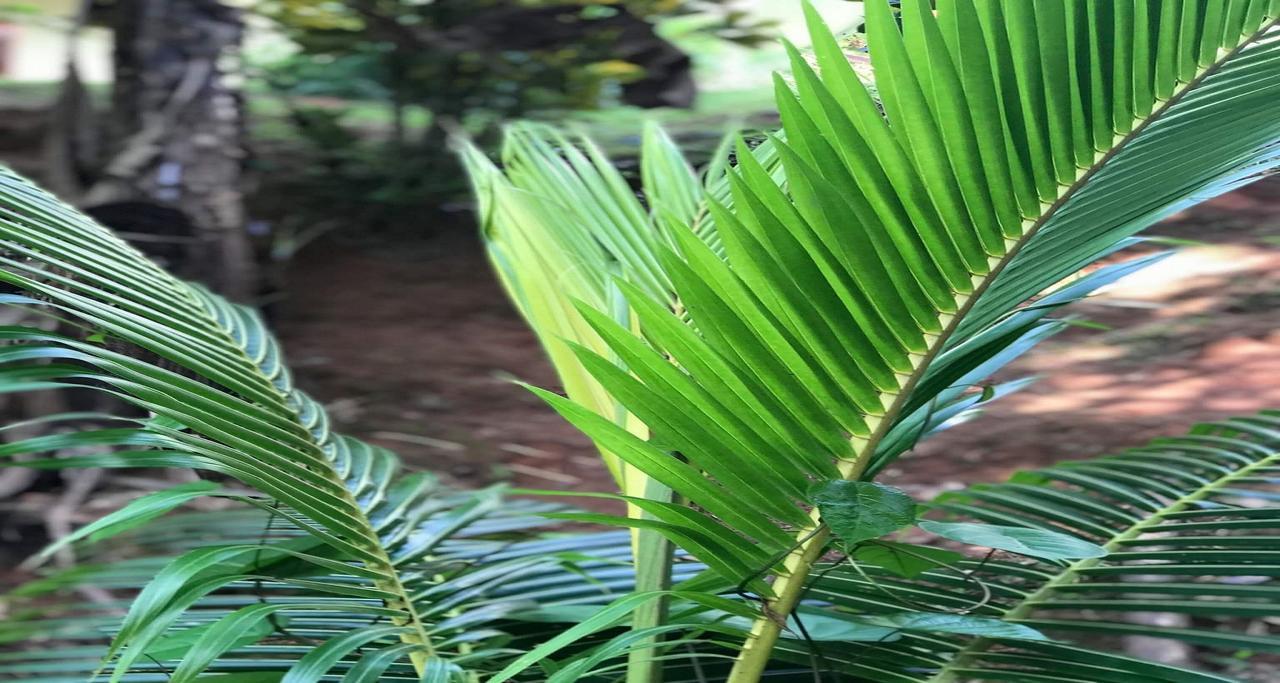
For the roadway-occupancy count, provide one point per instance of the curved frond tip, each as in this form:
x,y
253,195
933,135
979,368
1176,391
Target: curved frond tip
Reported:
x,y
344,537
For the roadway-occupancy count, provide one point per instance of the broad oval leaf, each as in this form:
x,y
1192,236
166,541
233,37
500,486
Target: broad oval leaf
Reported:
x,y
858,511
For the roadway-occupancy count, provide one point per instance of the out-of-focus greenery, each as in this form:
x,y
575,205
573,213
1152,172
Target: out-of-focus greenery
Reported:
x,y
372,85
18,10
488,58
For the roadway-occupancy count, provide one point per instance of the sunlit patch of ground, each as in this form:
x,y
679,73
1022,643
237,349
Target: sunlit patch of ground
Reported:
x,y
1191,338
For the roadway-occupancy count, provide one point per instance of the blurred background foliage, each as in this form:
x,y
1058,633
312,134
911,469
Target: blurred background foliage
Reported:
x,y
347,103
372,86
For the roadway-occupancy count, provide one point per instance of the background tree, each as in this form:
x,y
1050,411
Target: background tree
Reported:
x,y
443,65
176,124
502,58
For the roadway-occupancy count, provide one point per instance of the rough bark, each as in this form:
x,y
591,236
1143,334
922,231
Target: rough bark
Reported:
x,y
70,143
177,127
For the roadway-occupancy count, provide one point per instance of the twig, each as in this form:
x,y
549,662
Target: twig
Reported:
x,y
58,519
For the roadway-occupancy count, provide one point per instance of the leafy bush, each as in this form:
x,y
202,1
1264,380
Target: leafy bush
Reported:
x,y
749,349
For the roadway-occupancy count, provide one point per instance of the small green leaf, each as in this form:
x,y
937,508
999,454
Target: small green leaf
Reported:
x,y
904,559
136,513
961,624
1046,545
860,510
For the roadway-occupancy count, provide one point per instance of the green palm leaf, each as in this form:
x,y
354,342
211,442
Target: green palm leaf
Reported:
x,y
560,224
539,223
1190,523
218,398
1017,143
477,576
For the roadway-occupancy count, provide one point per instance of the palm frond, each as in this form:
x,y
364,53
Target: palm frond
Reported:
x,y
55,631
1017,143
539,217
561,223
216,396
1190,523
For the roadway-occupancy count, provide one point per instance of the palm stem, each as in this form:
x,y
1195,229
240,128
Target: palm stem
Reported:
x,y
789,587
417,635
653,558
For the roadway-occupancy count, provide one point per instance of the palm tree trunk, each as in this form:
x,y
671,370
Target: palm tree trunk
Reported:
x,y
178,125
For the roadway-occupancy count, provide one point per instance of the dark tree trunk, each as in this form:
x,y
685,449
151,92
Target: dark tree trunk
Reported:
x,y
177,126
70,143
399,104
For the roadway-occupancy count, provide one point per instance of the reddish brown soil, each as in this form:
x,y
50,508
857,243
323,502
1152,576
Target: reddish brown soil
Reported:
x,y
1193,338
414,347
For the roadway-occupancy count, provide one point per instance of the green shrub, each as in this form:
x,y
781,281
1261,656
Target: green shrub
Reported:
x,y
749,349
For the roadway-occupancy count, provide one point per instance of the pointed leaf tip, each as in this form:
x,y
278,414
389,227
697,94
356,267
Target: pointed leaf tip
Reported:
x,y
1039,543
959,624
